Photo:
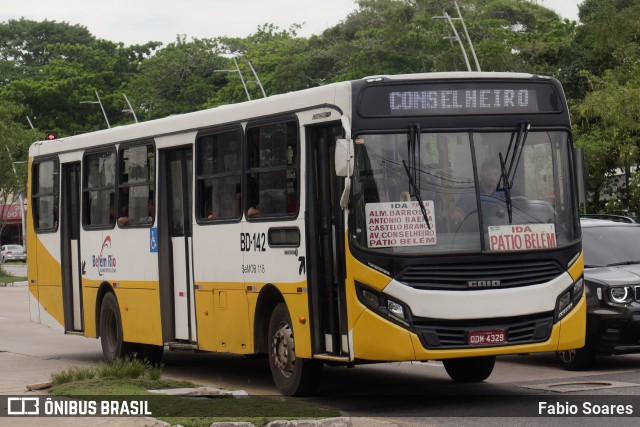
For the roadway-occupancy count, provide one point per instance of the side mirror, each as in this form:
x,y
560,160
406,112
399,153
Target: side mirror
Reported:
x,y
344,160
344,157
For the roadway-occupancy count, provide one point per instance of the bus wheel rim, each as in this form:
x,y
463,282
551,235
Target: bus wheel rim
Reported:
x,y
282,348
568,356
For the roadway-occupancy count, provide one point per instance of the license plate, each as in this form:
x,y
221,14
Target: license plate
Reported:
x,y
494,336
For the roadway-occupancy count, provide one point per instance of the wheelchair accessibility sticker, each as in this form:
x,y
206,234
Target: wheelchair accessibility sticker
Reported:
x,y
153,240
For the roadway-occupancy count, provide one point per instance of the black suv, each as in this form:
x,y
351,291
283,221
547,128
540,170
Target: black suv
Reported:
x,y
612,276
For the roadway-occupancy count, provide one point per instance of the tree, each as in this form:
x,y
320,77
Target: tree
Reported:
x,y
14,142
180,78
25,45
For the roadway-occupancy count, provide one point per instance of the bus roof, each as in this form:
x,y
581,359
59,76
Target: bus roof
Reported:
x,y
333,94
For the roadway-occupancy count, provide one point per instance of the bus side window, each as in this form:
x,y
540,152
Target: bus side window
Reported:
x,y
218,175
272,177
99,186
137,186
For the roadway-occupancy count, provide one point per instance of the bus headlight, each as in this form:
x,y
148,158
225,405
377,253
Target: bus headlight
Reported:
x,y
395,309
620,294
569,298
380,304
578,289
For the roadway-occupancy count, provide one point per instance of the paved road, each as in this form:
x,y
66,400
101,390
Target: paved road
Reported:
x,y
407,394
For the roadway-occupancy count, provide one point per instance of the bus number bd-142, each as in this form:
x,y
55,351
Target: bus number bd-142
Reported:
x,y
256,242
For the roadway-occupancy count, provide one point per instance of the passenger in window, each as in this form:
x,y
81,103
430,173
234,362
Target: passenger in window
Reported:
x,y
254,197
151,211
123,218
292,203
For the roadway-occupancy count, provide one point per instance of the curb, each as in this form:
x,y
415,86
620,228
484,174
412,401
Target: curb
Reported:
x,y
13,284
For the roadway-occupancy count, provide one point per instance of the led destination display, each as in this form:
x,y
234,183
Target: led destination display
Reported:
x,y
459,98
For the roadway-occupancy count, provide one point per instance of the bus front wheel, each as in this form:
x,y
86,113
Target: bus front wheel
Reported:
x,y
471,369
579,359
293,376
113,347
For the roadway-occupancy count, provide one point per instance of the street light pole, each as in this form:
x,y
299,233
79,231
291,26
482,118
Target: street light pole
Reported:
x,y
457,36
101,107
242,78
237,70
466,33
257,79
130,110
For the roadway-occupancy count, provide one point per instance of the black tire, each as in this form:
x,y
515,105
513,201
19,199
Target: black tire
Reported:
x,y
580,359
292,376
470,369
113,347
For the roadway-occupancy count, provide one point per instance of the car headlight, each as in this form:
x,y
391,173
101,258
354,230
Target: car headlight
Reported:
x,y
620,294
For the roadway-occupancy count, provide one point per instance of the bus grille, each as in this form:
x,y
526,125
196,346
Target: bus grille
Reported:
x,y
458,276
442,334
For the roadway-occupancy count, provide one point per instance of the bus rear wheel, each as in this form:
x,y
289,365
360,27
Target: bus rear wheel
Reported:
x,y
293,376
471,369
113,347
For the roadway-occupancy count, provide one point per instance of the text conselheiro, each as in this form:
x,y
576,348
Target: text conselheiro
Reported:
x,y
522,237
400,224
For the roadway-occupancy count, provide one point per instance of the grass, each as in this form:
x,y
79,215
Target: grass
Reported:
x,y
130,379
8,278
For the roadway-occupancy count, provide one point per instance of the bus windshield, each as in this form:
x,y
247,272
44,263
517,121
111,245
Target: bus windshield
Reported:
x,y
482,191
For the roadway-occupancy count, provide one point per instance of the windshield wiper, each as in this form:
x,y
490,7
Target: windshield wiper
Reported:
x,y
505,186
508,175
414,142
416,194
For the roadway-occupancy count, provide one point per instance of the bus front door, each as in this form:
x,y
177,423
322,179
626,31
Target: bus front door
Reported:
x,y
175,234
70,248
326,269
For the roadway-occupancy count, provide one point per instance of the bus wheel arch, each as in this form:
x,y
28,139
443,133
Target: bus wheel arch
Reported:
x,y
104,289
268,299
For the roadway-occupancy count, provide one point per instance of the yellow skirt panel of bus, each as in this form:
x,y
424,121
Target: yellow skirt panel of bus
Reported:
x,y
205,320
140,314
50,299
231,309
375,338
298,306
89,295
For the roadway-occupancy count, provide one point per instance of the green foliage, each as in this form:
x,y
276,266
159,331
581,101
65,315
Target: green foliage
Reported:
x,y
126,368
180,78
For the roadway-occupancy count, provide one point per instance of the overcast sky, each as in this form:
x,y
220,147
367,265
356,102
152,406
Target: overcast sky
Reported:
x,y
140,21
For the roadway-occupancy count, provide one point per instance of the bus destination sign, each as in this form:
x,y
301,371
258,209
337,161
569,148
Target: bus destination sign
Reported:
x,y
477,98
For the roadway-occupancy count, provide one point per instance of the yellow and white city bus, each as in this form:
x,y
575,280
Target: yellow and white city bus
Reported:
x,y
395,218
